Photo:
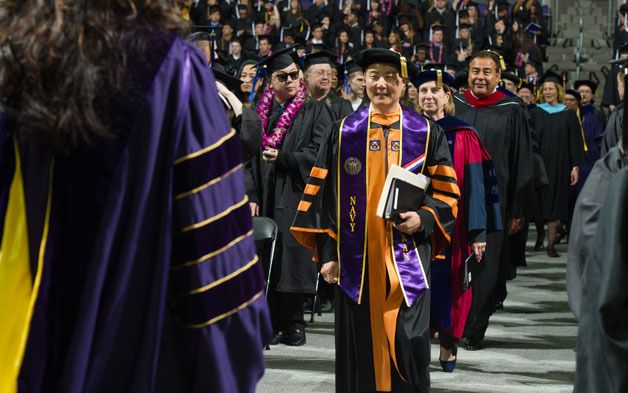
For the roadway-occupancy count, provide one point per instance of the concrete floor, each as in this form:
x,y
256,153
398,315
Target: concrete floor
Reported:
x,y
529,345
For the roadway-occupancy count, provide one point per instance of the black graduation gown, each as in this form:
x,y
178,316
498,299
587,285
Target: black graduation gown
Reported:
x,y
585,223
602,346
354,354
613,132
344,108
505,131
278,188
560,145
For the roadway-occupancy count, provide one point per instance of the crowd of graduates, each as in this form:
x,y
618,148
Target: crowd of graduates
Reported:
x,y
437,31
542,131
322,100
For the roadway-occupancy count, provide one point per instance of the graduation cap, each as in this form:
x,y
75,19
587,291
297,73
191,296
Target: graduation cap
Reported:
x,y
404,19
438,76
371,56
322,57
574,93
526,85
591,84
461,80
432,66
423,46
465,26
551,76
346,69
511,76
214,8
436,28
231,82
494,53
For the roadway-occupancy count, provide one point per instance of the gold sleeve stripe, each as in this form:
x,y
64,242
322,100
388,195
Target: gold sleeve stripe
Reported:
x,y
206,149
311,189
209,183
213,253
217,216
304,206
227,314
445,186
319,173
442,170
222,280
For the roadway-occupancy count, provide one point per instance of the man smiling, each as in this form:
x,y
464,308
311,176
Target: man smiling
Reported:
x,y
502,125
381,267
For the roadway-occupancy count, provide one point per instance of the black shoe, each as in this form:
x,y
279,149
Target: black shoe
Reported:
x,y
278,338
551,252
448,366
471,344
539,246
499,305
294,338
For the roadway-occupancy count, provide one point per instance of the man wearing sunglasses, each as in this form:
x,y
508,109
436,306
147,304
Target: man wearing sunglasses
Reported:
x,y
293,125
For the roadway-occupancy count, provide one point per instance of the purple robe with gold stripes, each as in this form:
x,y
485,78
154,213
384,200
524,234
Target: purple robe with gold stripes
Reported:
x,y
148,278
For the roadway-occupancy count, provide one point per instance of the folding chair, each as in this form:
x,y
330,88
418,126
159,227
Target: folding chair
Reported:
x,y
265,232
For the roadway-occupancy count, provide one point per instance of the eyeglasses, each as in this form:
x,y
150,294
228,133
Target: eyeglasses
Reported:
x,y
283,76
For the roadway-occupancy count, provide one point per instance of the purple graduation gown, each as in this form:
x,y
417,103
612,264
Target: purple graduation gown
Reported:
x,y
150,281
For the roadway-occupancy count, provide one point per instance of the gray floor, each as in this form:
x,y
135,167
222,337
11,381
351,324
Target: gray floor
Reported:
x,y
529,344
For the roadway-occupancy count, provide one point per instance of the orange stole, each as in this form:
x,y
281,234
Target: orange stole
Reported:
x,y
383,309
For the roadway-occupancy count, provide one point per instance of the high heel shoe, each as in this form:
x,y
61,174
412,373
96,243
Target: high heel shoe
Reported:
x,y
448,366
539,245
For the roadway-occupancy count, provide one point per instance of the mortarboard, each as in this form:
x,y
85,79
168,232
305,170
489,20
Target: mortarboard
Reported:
x,y
322,57
371,56
423,46
574,93
278,60
551,76
510,76
461,80
438,76
231,82
526,85
438,28
591,84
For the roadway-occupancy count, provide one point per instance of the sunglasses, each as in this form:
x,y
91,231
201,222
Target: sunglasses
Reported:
x,y
283,77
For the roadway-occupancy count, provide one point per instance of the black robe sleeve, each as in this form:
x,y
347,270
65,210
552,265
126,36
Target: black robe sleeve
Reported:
x,y
521,162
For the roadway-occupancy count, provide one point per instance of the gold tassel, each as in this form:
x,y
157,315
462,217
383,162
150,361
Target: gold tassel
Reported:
x,y
439,78
404,67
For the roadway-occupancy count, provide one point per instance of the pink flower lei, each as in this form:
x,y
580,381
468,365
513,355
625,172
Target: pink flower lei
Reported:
x,y
274,139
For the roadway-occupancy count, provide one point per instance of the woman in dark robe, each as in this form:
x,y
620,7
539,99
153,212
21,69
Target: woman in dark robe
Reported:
x,y
479,211
560,146
293,125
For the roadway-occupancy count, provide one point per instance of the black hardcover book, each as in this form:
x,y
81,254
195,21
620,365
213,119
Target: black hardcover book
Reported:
x,y
403,191
402,197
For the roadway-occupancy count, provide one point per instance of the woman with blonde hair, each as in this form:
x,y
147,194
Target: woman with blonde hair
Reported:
x,y
560,146
478,210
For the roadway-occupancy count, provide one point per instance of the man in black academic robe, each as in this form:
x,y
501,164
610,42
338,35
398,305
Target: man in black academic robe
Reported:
x,y
503,127
275,182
